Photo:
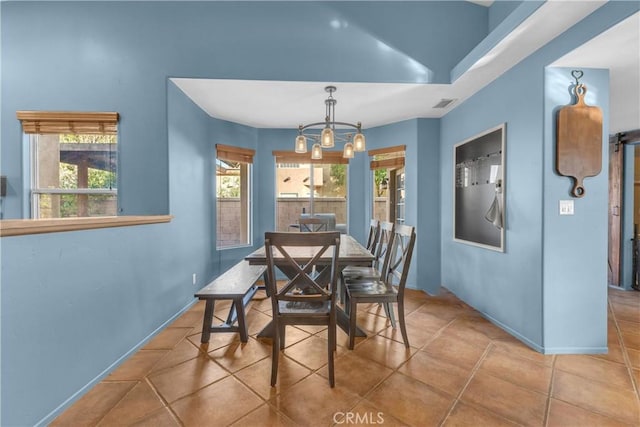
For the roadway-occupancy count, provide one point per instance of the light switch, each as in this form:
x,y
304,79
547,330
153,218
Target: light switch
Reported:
x,y
566,207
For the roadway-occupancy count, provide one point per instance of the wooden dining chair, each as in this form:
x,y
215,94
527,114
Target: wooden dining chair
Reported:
x,y
374,233
381,253
306,298
372,245
387,289
313,224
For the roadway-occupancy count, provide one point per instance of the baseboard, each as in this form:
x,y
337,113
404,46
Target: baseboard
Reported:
x,y
576,350
543,349
71,400
515,334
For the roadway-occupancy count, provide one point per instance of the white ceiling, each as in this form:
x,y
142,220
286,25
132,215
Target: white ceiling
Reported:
x,y
617,49
286,104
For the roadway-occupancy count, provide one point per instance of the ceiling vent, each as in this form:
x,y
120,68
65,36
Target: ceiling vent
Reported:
x,y
443,103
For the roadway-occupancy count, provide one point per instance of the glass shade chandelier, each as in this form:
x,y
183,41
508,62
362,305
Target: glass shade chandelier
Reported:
x,y
352,136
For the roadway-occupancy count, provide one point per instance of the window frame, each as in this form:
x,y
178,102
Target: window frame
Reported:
x,y
37,123
229,153
290,158
393,160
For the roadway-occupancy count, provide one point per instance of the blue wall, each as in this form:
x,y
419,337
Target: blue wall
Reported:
x,y
575,275
499,11
75,303
191,189
116,56
505,286
228,133
401,133
539,294
427,183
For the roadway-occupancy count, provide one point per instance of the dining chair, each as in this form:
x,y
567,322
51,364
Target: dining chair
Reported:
x,y
374,233
383,242
306,298
372,242
389,287
313,224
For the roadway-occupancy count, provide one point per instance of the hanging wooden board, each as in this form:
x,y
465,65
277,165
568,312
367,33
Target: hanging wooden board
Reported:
x,y
579,141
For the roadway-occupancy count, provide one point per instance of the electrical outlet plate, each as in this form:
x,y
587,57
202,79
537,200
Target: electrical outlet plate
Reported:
x,y
194,278
566,207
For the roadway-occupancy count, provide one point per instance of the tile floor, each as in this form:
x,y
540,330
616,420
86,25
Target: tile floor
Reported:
x,y
460,370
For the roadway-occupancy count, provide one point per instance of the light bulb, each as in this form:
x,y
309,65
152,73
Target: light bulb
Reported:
x,y
301,144
316,152
326,138
359,142
348,151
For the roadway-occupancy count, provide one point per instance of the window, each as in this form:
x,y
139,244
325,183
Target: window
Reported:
x,y
387,166
233,196
305,186
73,163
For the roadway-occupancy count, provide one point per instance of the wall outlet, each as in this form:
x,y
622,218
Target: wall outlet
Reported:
x,y
566,207
194,278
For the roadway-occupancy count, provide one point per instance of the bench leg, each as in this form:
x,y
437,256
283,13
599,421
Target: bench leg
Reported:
x,y
206,322
231,317
242,324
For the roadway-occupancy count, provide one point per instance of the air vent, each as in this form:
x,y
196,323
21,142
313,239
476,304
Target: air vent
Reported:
x,y
443,103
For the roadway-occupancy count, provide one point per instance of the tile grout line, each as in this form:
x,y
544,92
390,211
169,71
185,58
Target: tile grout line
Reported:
x,y
625,354
474,370
148,382
175,416
167,404
393,370
360,399
547,410
153,388
230,374
437,334
119,400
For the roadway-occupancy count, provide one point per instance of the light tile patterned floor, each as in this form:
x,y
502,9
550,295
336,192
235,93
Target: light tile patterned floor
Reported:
x,y
461,370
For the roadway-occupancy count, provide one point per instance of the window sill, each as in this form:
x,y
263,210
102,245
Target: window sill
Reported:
x,y
22,227
224,248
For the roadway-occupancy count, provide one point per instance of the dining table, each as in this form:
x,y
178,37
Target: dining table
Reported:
x,y
351,252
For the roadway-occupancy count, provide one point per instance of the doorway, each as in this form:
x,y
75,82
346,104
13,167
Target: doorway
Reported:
x,y
388,173
616,209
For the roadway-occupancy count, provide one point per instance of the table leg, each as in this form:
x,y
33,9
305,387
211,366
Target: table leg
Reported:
x,y
267,331
342,320
208,319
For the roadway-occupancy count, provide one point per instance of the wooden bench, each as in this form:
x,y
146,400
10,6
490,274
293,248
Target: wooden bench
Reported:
x,y
237,284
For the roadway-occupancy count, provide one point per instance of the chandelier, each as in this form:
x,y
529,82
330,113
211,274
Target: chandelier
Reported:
x,y
353,138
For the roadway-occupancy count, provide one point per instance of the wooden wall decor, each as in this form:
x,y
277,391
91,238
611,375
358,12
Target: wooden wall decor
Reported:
x,y
579,139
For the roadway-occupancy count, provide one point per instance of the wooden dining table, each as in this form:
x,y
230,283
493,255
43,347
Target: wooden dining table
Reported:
x,y
351,253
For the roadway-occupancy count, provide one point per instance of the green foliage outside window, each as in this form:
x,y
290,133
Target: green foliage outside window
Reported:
x,y
96,178
228,186
379,176
227,179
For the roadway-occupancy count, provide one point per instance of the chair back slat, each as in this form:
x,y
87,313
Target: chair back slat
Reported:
x,y
374,234
401,251
383,246
313,224
304,272
313,281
